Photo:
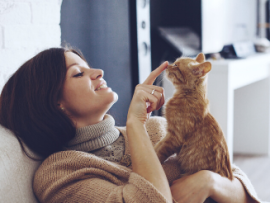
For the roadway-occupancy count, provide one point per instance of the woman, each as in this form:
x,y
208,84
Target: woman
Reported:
x,y
56,104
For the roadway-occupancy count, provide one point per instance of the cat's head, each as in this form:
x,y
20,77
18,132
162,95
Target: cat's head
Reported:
x,y
187,71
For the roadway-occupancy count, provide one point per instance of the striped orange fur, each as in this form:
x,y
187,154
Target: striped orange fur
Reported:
x,y
192,132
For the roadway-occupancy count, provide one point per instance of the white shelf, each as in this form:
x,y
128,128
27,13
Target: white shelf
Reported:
x,y
238,91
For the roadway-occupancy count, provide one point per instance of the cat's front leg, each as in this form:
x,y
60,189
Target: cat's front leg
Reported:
x,y
165,148
159,149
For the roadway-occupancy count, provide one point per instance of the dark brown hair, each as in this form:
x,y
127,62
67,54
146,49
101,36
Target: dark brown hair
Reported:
x,y
29,103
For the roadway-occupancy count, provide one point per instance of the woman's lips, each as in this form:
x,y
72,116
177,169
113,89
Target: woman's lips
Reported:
x,y
101,86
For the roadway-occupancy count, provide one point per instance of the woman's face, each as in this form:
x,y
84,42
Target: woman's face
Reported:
x,y
85,97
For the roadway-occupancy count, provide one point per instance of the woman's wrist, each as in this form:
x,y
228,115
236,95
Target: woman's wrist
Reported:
x,y
133,121
210,179
213,185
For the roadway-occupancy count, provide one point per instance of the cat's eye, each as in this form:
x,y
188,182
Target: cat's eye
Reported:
x,y
174,65
79,74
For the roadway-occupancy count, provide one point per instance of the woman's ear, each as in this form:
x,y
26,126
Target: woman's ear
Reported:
x,y
61,106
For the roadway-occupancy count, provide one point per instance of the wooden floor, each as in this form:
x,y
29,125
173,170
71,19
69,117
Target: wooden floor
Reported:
x,y
257,169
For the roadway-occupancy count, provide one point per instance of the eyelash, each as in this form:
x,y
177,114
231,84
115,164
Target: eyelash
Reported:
x,y
79,74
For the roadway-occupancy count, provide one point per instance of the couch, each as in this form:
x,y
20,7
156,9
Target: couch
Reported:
x,y
16,171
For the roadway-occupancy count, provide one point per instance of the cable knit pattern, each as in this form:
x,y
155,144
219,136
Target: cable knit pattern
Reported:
x,y
113,152
96,136
75,176
92,139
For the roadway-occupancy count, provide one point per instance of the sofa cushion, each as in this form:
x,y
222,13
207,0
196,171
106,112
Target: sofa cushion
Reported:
x,y
16,170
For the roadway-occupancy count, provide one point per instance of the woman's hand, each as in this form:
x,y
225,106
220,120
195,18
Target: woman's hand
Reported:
x,y
197,187
143,101
194,188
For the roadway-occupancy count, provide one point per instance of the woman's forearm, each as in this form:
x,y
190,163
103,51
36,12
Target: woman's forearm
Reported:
x,y
224,191
144,159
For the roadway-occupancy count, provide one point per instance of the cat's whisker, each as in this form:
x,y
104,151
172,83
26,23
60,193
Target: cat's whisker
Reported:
x,y
159,80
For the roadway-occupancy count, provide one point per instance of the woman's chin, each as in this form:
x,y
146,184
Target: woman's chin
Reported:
x,y
115,97
112,98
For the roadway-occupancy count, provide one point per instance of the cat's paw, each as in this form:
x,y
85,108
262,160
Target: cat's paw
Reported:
x,y
161,157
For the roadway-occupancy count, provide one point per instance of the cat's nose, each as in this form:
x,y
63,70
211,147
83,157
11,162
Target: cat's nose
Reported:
x,y
172,65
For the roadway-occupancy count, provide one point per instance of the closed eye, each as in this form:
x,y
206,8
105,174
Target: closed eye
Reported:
x,y
79,74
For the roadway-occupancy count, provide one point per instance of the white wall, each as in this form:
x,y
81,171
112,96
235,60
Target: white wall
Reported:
x,y
227,21
242,20
26,28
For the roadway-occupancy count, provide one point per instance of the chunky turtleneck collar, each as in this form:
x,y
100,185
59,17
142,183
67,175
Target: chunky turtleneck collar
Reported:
x,y
95,136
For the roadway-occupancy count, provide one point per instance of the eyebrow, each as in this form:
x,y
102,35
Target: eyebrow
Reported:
x,y
73,64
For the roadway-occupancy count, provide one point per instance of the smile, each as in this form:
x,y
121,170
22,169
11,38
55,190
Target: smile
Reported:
x,y
101,87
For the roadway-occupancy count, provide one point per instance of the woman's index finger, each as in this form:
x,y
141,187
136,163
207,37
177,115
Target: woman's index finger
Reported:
x,y
155,73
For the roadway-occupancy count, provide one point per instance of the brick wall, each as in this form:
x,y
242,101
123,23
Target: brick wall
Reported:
x,y
26,28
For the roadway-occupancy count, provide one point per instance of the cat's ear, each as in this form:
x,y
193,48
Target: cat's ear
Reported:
x,y
202,69
200,58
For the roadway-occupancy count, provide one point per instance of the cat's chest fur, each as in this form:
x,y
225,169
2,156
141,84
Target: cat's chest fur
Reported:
x,y
185,113
194,135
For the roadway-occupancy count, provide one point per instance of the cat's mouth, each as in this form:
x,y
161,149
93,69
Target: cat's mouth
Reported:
x,y
170,74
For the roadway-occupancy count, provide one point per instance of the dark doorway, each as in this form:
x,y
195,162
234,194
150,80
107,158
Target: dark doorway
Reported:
x,y
101,30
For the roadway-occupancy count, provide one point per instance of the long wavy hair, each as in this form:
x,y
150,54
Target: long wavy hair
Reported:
x,y
29,103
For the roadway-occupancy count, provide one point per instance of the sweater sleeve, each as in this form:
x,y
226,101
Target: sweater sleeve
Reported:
x,y
156,128
240,175
72,176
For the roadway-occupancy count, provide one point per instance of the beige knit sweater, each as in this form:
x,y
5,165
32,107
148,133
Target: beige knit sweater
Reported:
x,y
76,176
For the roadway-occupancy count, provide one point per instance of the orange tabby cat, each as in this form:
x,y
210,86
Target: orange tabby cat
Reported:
x,y
192,132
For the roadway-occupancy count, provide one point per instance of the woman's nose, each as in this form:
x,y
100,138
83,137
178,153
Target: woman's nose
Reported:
x,y
96,73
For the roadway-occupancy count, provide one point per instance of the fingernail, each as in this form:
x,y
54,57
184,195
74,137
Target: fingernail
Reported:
x,y
167,63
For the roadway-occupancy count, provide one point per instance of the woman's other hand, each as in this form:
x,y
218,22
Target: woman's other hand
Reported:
x,y
194,188
197,187
147,97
